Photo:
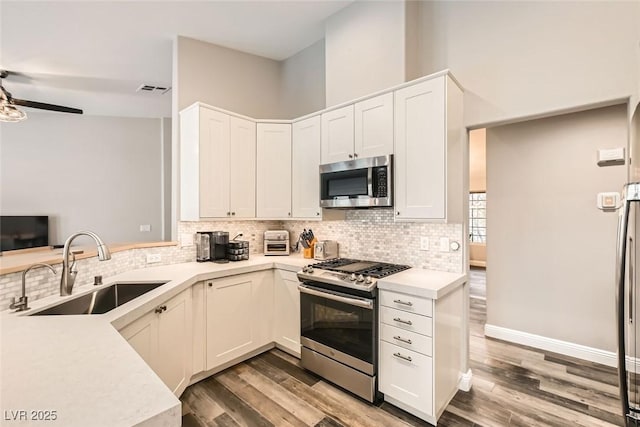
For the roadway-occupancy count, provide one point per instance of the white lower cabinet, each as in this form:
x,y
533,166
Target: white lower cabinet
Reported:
x,y
407,376
287,311
163,339
239,316
421,351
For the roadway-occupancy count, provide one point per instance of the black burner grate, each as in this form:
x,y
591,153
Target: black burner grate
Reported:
x,y
367,268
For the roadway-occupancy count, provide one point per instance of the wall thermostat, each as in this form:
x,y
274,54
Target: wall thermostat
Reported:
x,y
608,201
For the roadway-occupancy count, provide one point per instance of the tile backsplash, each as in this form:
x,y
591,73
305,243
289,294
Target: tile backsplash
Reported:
x,y
372,234
366,234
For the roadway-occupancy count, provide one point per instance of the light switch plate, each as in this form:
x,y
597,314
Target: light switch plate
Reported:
x,y
186,239
444,244
145,228
608,201
153,258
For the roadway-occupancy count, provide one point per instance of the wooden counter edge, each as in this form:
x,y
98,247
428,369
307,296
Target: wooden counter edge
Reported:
x,y
56,258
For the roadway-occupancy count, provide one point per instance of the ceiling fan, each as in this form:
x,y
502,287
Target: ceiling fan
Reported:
x,y
9,112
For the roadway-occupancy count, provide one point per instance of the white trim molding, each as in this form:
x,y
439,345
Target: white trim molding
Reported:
x,y
608,358
466,381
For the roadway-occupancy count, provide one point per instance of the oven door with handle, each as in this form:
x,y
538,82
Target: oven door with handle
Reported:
x,y
342,322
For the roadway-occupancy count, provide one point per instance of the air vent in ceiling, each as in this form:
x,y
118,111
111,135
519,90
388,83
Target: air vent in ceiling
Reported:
x,y
153,89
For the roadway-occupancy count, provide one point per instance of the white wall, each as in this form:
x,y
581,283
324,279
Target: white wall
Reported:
x,y
518,59
302,82
85,172
550,251
365,49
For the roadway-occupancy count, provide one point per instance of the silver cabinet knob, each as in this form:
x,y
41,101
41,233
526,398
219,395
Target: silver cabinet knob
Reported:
x,y
398,213
228,213
351,156
355,155
233,213
317,213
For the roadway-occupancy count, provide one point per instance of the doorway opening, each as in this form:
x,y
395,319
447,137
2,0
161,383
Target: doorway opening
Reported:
x,y
478,213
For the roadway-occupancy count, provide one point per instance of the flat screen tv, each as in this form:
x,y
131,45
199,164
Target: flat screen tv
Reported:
x,y
22,232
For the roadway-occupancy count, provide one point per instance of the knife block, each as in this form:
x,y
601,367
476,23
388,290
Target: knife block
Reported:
x,y
308,252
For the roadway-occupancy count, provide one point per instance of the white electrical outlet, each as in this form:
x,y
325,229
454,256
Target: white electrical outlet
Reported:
x,y
444,244
153,258
424,243
145,228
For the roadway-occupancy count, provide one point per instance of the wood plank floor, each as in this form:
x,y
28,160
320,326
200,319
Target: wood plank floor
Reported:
x,y
512,385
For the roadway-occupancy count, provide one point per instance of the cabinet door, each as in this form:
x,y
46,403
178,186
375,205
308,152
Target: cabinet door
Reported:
x,y
407,376
142,335
420,184
214,163
305,178
274,170
175,344
373,120
337,135
287,311
229,319
263,310
242,173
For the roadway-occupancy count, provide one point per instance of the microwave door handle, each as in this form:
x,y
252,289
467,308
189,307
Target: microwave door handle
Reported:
x,y
370,182
350,301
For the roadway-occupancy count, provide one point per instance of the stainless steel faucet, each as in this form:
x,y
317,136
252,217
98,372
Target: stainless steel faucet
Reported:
x,y
21,304
69,272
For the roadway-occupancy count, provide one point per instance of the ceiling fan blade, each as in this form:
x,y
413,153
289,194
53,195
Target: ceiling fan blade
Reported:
x,y
44,106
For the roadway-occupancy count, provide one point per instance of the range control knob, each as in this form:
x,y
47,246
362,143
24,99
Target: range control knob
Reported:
x,y
310,269
352,277
304,269
360,278
368,280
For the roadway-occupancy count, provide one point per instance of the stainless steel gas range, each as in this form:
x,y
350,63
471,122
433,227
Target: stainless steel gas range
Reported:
x,y
339,321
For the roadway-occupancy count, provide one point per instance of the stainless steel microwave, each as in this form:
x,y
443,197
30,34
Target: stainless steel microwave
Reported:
x,y
359,183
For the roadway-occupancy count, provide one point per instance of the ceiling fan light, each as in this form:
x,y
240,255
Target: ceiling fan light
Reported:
x,y
9,113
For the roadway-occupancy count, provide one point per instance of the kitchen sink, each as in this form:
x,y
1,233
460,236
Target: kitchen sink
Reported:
x,y
102,300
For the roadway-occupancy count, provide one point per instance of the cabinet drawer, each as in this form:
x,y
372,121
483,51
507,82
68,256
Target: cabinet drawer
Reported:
x,y
410,303
406,339
406,376
404,320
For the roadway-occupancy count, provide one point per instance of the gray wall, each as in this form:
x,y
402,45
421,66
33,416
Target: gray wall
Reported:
x,y
226,78
302,81
85,172
550,251
365,47
517,59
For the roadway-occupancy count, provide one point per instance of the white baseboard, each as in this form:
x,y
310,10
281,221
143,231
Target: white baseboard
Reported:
x,y
466,381
608,358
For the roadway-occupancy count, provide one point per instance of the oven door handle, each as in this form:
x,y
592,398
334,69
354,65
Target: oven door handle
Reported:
x,y
350,301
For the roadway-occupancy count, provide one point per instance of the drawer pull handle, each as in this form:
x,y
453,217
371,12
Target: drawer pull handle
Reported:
x,y
407,358
399,301
404,340
406,322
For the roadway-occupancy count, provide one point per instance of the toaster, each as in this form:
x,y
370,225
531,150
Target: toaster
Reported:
x,y
325,249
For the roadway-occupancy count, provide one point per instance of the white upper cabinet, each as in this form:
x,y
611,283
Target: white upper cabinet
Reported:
x,y
337,135
242,161
363,129
374,126
273,188
214,180
428,151
217,165
305,179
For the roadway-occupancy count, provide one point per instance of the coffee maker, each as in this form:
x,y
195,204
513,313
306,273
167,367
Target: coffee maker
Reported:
x,y
219,245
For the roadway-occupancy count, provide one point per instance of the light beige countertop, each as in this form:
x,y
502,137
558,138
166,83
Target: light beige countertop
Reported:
x,y
84,370
13,261
423,283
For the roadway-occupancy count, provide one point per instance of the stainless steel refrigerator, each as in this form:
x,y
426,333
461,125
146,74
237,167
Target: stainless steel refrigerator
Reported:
x,y
628,283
